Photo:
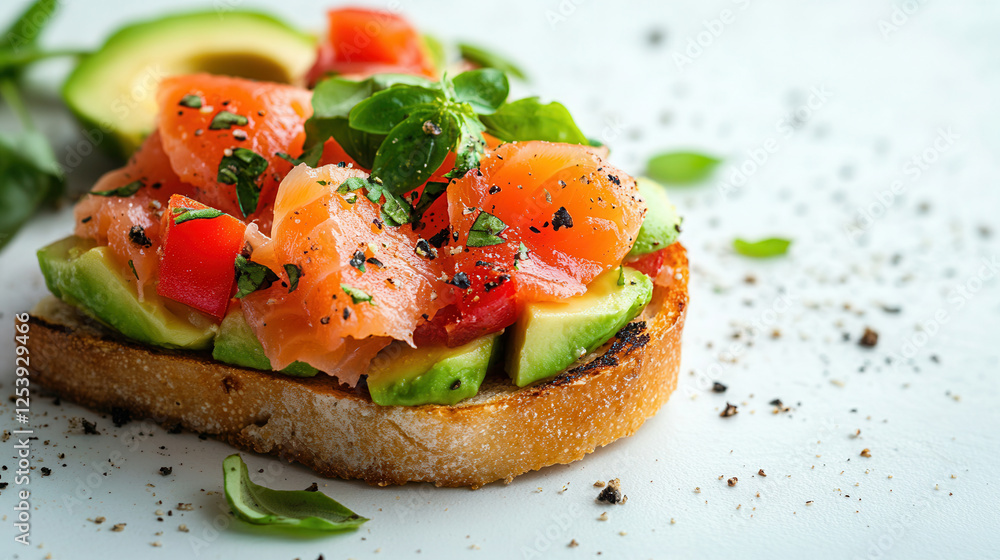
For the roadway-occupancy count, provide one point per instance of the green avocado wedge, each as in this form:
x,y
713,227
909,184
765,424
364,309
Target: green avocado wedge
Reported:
x,y
548,337
113,91
88,278
237,345
662,224
401,375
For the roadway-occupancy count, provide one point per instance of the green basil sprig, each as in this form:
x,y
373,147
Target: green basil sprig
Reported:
x,y
678,168
293,509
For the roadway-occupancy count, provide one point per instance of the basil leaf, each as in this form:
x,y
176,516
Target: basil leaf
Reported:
x,y
762,249
29,178
22,35
352,184
484,231
486,59
414,150
621,275
681,167
332,102
432,191
485,89
395,210
251,276
471,146
182,215
385,109
224,120
294,273
357,296
123,191
294,509
527,119
242,168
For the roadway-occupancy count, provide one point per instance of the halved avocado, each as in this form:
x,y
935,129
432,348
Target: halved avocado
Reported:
x,y
113,91
87,278
236,344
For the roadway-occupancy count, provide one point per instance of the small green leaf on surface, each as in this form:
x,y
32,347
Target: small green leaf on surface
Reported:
x,y
296,509
123,191
484,231
294,273
528,119
223,120
242,168
680,168
486,59
765,248
182,215
29,177
352,184
251,276
357,296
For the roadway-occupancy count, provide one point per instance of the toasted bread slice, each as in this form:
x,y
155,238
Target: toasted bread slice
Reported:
x,y
338,431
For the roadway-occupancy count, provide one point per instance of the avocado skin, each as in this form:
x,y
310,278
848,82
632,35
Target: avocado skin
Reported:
x,y
550,336
87,277
237,345
404,376
662,224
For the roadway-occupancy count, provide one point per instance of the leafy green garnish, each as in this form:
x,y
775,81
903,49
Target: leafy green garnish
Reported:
x,y
485,89
224,120
764,248
294,272
621,275
357,296
681,167
484,231
182,215
482,57
122,191
528,119
432,191
242,168
294,509
251,276
29,178
131,265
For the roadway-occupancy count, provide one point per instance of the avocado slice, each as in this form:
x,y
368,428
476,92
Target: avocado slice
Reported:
x,y
401,375
236,344
550,336
662,224
113,91
88,278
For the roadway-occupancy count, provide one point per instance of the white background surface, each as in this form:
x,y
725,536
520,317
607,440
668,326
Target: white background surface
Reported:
x,y
930,487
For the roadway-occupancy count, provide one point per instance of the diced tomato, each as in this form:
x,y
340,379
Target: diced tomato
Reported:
x,y
649,264
364,42
197,266
488,305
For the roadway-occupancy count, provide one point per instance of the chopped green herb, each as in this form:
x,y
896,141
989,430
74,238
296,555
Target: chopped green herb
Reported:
x,y
352,184
293,509
223,120
183,214
251,276
432,191
289,159
123,191
132,266
191,101
621,275
484,231
522,255
242,168
680,168
764,248
357,296
294,273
